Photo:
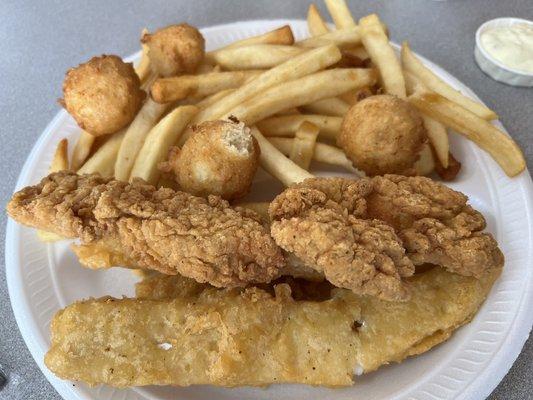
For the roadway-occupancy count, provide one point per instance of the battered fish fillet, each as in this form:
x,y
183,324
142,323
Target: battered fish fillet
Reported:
x,y
161,229
367,235
235,337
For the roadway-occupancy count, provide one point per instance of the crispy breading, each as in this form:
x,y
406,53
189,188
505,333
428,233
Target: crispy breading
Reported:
x,y
161,229
252,337
359,232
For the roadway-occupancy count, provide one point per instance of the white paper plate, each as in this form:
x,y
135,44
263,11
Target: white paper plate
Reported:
x,y
44,278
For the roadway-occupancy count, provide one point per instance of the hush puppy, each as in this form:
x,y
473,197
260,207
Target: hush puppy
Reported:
x,y
220,157
103,95
382,135
175,49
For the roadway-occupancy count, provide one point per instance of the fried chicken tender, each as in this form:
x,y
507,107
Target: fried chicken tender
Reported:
x,y
382,134
171,232
103,95
221,158
366,235
175,49
183,333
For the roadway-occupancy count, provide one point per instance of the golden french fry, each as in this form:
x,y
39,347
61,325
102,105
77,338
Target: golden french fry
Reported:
x,y
135,136
276,164
214,98
281,35
341,15
103,160
500,146
205,68
323,153
425,165
60,159
59,163
333,106
298,67
438,137
143,68
412,64
413,83
81,150
356,95
382,55
301,91
315,23
255,56
343,38
303,145
165,90
358,52
288,111
159,141
287,125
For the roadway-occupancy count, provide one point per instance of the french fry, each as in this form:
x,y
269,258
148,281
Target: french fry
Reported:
x,y
382,55
355,96
343,38
358,52
214,98
276,164
134,137
159,141
500,146
323,153
412,64
303,145
103,160
143,69
341,15
288,111
299,66
301,91
150,79
333,106
256,56
315,23
59,163
165,90
438,137
413,82
60,159
81,150
425,165
281,35
205,68
287,125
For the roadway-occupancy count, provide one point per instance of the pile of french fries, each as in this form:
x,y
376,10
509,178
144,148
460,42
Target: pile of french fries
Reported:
x,y
293,94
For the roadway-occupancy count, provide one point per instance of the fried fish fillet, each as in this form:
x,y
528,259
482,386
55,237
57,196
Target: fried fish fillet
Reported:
x,y
366,235
161,229
183,333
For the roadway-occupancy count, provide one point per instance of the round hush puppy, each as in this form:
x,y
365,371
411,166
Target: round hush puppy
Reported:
x,y
382,135
175,50
103,95
220,157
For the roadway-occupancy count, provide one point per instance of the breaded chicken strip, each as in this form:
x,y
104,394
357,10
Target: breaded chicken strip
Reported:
x,y
182,333
171,232
347,229
320,222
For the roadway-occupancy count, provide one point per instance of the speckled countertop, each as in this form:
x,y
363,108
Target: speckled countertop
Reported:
x,y
41,39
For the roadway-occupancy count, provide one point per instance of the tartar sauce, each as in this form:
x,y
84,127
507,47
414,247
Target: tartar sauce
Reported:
x,y
511,45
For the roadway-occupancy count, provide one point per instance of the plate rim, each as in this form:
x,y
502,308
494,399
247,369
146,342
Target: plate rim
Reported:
x,y
513,342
